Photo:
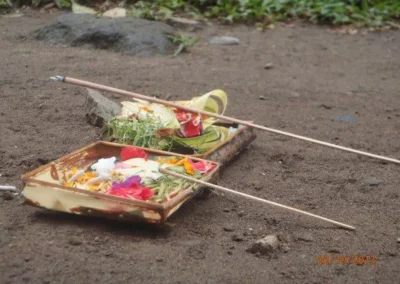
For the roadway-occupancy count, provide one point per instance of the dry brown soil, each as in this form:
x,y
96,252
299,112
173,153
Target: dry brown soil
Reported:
x,y
317,75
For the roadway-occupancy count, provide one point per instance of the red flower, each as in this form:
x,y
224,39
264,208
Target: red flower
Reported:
x,y
202,167
191,124
182,115
141,193
132,152
131,188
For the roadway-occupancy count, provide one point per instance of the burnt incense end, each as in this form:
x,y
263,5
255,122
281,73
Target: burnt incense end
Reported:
x,y
58,78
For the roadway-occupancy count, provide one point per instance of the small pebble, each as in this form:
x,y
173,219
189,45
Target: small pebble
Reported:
x,y
347,118
257,184
271,221
229,252
398,240
306,237
334,250
325,106
285,249
224,40
226,210
8,196
264,246
241,214
74,242
268,66
237,238
159,259
373,181
96,239
228,229
262,98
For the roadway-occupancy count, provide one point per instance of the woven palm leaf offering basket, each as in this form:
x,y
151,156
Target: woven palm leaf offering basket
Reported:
x,y
117,181
120,178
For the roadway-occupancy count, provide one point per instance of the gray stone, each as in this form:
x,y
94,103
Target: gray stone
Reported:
x,y
135,37
268,66
285,248
261,98
237,238
115,13
190,243
398,240
264,246
241,213
305,237
99,109
4,237
334,250
75,242
8,196
325,106
257,184
228,228
183,23
373,181
224,40
347,118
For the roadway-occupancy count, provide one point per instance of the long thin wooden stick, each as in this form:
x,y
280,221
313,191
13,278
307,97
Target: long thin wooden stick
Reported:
x,y
222,117
165,171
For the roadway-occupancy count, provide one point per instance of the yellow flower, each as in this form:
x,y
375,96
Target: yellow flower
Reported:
x,y
169,161
188,167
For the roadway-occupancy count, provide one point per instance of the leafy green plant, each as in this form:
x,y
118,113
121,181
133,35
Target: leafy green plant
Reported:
x,y
137,133
4,4
183,42
368,12
36,3
336,12
63,3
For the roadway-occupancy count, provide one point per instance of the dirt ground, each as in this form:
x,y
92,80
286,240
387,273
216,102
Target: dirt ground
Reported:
x,y
318,77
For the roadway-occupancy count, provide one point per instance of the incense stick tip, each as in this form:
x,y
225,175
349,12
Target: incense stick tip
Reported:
x,y
58,78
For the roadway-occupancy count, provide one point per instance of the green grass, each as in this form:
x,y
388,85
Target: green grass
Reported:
x,y
336,12
183,42
372,13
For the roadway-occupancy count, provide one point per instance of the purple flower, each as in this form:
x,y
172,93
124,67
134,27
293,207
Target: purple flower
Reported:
x,y
133,181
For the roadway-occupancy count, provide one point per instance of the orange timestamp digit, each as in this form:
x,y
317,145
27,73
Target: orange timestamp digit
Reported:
x,y
347,259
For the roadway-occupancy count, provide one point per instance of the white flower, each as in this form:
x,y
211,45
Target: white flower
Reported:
x,y
103,167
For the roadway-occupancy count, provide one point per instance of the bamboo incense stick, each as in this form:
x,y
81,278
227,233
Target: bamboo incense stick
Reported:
x,y
163,170
7,188
91,85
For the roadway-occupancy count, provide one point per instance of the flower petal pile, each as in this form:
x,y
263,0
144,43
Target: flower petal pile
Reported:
x,y
136,175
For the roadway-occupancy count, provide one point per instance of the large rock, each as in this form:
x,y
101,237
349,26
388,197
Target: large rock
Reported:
x,y
135,37
99,109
